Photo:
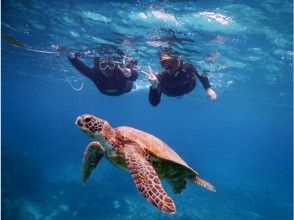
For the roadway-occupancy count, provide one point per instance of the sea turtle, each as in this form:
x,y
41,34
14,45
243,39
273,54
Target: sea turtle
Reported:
x,y
145,156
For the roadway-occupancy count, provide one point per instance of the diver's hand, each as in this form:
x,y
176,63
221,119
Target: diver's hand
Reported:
x,y
58,48
72,55
211,94
152,79
126,71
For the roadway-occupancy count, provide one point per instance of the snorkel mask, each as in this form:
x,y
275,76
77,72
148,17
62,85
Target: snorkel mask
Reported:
x,y
105,65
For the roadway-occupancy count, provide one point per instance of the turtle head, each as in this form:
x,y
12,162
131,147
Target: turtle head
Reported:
x,y
93,126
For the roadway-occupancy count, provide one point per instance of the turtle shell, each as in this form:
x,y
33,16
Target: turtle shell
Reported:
x,y
153,146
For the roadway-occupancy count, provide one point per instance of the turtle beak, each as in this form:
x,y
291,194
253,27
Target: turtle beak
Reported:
x,y
79,122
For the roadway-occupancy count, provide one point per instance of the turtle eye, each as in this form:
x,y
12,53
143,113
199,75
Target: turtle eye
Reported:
x,y
88,119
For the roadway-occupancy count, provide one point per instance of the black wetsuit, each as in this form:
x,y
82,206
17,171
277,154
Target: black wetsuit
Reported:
x,y
116,84
176,85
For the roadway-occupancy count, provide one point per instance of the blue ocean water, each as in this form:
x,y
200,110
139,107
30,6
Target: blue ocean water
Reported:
x,y
241,143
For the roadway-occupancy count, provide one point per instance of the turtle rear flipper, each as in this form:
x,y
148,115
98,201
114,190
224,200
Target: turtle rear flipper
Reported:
x,y
197,180
146,179
92,155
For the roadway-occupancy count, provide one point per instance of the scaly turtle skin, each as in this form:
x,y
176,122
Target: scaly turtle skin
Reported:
x,y
145,156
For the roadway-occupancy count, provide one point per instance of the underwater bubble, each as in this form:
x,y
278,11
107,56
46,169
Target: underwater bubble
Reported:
x,y
116,204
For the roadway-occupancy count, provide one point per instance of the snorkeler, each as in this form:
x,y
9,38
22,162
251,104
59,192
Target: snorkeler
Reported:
x,y
110,77
178,79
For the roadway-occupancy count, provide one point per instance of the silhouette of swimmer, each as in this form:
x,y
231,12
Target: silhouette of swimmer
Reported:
x,y
178,79
110,77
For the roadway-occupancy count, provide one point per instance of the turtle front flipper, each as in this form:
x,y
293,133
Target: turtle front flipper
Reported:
x,y
146,179
92,155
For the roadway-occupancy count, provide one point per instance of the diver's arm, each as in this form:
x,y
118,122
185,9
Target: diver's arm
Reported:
x,y
80,66
155,88
203,79
205,83
154,95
